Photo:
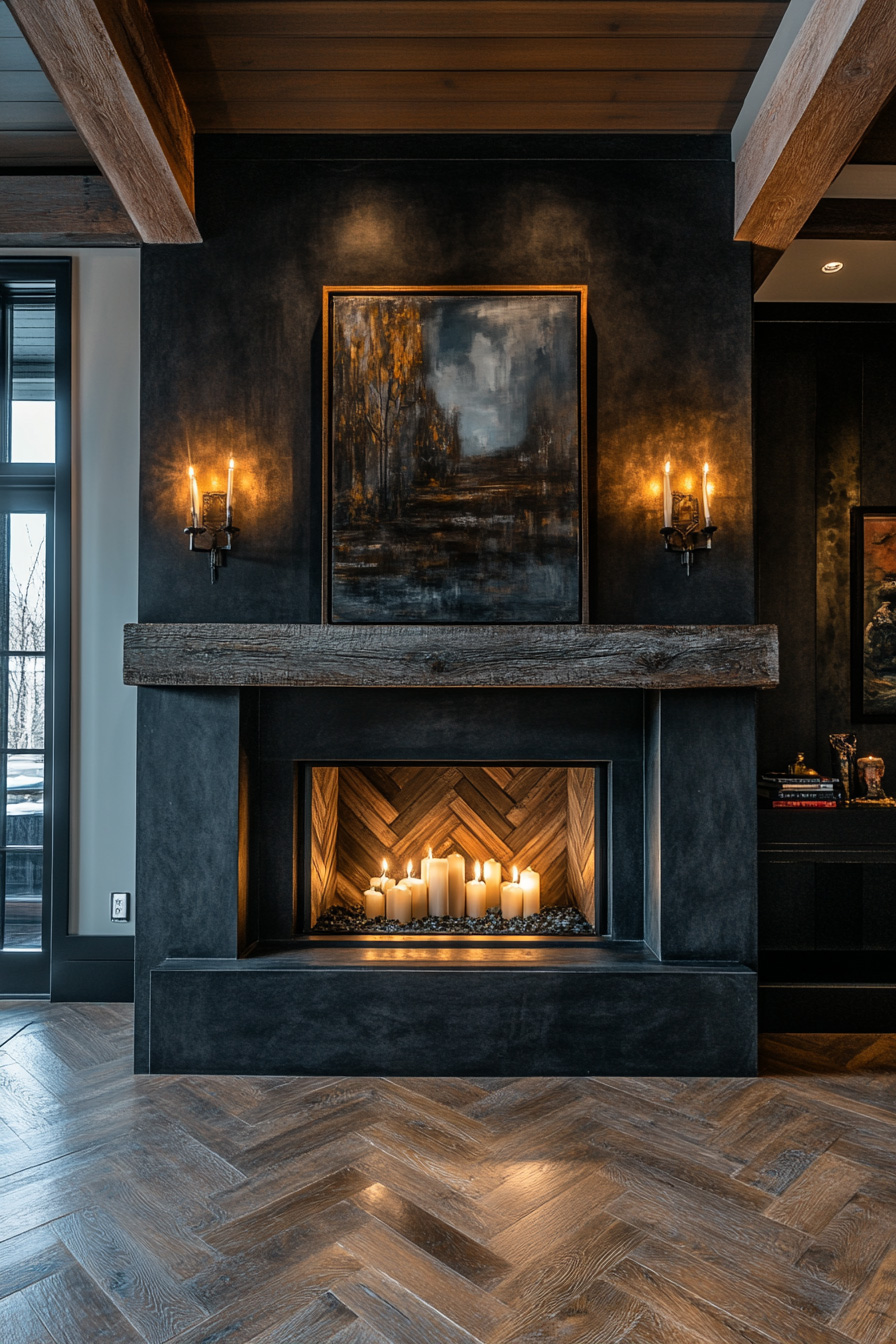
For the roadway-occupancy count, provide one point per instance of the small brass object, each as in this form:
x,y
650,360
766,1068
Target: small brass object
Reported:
x,y
800,767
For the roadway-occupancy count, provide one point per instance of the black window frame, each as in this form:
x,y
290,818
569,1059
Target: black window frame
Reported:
x,y
31,973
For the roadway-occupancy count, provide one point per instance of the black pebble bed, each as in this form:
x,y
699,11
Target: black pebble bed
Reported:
x,y
556,920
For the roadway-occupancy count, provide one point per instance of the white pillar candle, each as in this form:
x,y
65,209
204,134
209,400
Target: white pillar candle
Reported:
x,y
457,879
387,884
492,875
530,881
512,898
424,867
374,903
194,498
399,904
707,517
667,497
377,882
438,887
476,895
229,503
417,887
419,903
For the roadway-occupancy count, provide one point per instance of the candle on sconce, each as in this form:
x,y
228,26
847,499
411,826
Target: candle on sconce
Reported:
x,y
438,887
399,904
476,895
667,496
194,498
512,898
707,518
457,880
492,875
229,506
530,881
417,887
374,903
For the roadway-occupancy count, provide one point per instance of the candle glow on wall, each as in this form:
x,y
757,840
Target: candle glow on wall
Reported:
x,y
681,516
211,529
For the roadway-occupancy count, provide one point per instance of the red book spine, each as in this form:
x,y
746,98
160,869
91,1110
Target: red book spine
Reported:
x,y
813,803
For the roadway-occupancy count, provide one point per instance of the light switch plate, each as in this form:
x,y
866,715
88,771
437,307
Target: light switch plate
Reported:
x,y
121,906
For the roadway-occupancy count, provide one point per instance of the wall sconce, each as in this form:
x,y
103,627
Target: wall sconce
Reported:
x,y
215,534
681,519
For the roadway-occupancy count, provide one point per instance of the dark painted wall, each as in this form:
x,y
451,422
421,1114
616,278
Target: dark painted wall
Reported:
x,y
825,441
231,336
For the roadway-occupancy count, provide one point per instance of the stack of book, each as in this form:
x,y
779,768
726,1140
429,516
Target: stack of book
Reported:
x,y
799,791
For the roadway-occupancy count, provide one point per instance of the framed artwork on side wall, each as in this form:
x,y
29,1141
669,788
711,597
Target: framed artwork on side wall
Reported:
x,y
454,462
874,613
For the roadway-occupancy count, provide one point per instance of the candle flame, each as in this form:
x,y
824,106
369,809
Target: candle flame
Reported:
x,y
430,851
478,870
668,468
385,867
516,875
410,868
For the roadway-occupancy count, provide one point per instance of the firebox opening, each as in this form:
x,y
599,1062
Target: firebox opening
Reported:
x,y
393,849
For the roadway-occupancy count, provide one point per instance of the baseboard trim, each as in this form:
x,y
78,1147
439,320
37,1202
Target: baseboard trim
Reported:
x,y
92,982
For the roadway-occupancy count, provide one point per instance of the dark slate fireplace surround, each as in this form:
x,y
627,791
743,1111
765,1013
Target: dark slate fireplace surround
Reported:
x,y
232,358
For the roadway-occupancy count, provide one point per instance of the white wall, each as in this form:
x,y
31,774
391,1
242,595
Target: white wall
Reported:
x,y
105,466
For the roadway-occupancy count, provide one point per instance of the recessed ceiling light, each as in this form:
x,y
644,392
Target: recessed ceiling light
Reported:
x,y
831,267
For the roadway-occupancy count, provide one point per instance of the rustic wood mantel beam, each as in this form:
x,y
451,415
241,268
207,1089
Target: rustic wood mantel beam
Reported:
x,y
62,211
832,83
109,69
640,657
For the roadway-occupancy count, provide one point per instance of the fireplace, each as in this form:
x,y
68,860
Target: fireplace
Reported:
x,y
439,850
302,781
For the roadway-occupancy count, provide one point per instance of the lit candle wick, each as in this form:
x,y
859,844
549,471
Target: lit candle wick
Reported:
x,y
516,875
410,869
478,871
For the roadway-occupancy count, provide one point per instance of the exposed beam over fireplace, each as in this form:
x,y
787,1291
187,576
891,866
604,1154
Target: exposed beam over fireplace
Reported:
x,y
110,71
831,85
640,657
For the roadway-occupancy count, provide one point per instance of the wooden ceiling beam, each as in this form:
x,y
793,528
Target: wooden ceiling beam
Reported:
x,y
62,211
109,69
834,80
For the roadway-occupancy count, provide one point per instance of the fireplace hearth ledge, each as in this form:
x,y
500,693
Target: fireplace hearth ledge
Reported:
x,y
630,657
580,1015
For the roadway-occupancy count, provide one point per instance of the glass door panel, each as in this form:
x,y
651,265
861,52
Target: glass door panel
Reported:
x,y
25,539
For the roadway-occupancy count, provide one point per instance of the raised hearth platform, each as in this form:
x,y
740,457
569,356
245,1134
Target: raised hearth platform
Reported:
x,y
636,657
434,1011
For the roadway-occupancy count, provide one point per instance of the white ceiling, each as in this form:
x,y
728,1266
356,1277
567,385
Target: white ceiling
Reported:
x,y
868,275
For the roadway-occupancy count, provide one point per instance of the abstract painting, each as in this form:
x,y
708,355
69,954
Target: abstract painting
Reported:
x,y
874,613
455,457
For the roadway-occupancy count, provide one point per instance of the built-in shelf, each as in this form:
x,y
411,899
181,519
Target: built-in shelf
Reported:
x,y
638,657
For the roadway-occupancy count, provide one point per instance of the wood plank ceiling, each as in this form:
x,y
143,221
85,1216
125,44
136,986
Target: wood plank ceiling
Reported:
x,y
35,129
465,65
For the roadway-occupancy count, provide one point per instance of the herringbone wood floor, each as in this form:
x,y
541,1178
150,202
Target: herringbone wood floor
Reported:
x,y
441,1211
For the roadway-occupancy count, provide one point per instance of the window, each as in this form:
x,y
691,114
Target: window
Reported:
x,y
33,659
